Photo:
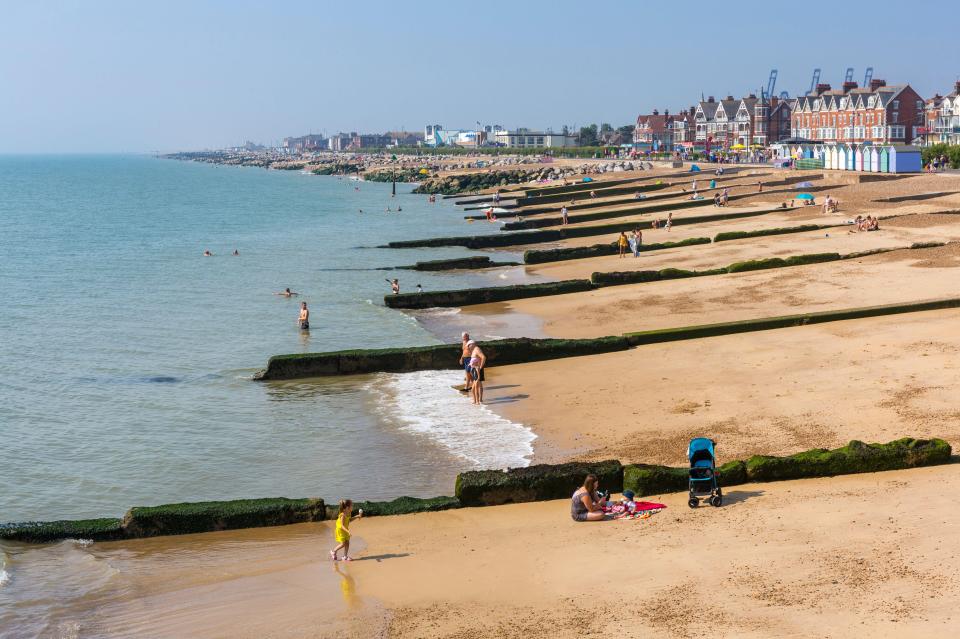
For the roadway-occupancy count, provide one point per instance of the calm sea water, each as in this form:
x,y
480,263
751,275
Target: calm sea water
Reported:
x,y
127,356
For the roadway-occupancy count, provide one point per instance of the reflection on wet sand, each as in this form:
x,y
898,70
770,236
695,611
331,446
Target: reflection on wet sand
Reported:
x,y
247,583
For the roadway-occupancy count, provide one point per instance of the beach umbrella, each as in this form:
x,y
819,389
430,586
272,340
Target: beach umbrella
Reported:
x,y
694,168
804,196
588,179
738,146
804,185
424,172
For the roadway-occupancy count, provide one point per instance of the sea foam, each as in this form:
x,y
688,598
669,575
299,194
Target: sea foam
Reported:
x,y
424,403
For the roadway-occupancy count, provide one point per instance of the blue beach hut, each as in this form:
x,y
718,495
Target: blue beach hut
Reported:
x,y
905,159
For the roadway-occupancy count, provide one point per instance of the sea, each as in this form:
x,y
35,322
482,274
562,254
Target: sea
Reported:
x,y
128,356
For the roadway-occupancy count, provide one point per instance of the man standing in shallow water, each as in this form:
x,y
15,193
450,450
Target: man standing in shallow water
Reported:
x,y
478,361
465,361
304,319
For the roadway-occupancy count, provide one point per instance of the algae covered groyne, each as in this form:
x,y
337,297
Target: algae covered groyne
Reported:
x,y
522,350
541,482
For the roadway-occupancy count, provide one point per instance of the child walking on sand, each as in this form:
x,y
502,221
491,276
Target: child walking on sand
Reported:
x,y
342,531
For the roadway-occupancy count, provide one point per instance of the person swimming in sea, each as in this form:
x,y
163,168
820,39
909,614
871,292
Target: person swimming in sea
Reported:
x,y
236,252
207,254
287,293
304,320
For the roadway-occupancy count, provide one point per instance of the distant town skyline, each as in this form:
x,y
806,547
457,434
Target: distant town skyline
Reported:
x,y
111,76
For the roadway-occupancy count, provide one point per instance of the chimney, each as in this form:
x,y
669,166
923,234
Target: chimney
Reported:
x,y
693,110
729,97
710,99
847,86
876,84
773,101
822,88
666,112
656,112
956,86
752,96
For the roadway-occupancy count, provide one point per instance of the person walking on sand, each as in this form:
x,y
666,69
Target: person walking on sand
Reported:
x,y
622,244
563,215
465,361
342,531
669,220
304,320
637,241
478,361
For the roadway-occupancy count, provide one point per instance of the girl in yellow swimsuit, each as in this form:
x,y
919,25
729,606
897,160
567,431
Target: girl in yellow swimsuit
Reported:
x,y
342,531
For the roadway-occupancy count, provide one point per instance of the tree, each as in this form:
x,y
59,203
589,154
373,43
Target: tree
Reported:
x,y
626,131
588,135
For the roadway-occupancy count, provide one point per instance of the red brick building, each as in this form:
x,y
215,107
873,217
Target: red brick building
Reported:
x,y
877,114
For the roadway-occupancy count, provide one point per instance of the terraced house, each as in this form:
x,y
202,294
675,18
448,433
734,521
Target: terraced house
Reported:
x,y
749,120
878,114
943,118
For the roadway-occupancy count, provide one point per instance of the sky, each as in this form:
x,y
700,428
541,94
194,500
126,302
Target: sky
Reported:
x,y
145,76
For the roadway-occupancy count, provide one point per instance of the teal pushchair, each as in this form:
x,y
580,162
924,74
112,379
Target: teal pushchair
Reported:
x,y
703,472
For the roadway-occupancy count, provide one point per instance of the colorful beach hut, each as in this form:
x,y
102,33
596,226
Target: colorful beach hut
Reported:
x,y
905,159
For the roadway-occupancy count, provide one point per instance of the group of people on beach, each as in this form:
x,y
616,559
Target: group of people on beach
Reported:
x,y
474,361
634,242
868,223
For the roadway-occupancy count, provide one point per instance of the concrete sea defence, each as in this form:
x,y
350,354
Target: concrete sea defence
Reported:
x,y
436,357
541,256
855,457
520,350
471,262
486,488
555,235
484,295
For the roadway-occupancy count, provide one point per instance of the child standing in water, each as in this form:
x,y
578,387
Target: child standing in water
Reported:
x,y
342,531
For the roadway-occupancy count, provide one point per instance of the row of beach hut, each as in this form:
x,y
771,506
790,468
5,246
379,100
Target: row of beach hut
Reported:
x,y
868,158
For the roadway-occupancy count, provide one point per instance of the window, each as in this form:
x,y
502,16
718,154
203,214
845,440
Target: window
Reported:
x,y
896,105
895,116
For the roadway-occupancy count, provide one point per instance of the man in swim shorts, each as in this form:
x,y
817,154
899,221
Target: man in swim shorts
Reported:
x,y
304,319
478,362
465,361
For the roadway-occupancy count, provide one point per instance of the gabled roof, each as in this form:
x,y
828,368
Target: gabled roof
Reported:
x,y
709,109
729,108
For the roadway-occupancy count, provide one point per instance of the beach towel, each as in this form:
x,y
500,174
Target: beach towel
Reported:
x,y
642,510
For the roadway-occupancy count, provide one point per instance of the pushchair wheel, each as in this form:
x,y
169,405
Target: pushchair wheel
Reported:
x,y
694,502
716,500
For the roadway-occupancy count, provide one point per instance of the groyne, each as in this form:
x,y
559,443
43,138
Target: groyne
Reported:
x,y
541,482
484,295
521,350
520,238
457,263
435,357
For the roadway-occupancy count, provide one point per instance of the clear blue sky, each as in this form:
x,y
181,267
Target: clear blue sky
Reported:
x,y
165,75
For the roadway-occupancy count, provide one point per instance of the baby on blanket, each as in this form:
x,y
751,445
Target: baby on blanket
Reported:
x,y
629,508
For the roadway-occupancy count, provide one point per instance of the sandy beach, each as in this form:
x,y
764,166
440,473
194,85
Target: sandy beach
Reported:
x,y
824,557
858,555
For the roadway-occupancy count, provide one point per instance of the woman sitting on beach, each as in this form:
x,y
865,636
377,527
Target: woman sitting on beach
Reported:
x,y
586,503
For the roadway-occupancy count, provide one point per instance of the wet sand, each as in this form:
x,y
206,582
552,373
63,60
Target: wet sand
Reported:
x,y
762,565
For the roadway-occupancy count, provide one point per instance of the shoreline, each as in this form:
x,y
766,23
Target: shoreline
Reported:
x,y
525,567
